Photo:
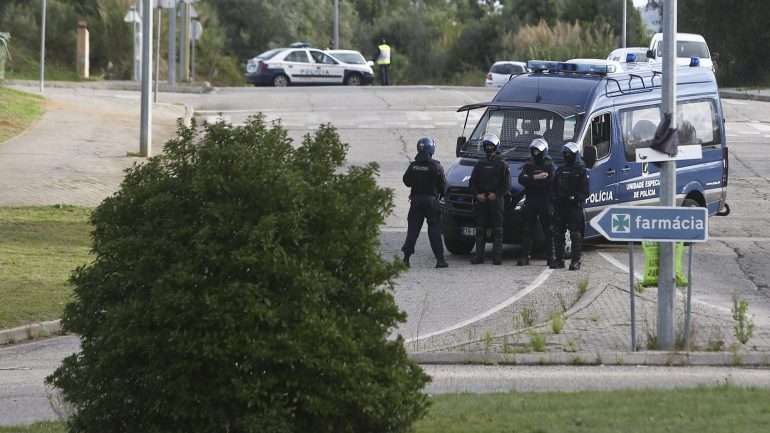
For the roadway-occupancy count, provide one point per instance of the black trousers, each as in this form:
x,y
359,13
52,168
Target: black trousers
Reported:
x,y
570,217
537,213
489,215
424,207
384,77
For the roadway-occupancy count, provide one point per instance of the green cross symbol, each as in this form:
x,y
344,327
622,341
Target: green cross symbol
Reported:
x,y
621,223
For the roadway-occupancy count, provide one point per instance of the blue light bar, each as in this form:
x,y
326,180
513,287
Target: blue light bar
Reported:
x,y
694,61
630,58
575,68
542,65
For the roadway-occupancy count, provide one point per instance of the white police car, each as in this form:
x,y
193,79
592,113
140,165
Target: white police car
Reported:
x,y
281,67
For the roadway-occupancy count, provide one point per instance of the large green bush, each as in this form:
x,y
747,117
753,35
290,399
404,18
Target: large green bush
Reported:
x,y
237,286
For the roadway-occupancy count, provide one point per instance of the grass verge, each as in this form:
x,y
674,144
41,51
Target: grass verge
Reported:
x,y
720,409
42,427
18,110
39,248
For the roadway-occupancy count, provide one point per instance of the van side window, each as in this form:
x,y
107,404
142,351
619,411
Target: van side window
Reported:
x,y
639,126
698,123
599,135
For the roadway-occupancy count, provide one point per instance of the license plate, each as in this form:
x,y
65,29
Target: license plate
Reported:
x,y
469,231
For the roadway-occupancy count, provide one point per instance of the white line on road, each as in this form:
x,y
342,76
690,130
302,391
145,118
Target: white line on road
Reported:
x,y
516,297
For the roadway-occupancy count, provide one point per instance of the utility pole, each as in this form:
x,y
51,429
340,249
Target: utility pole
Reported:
x,y
172,44
625,21
336,24
145,134
157,55
184,57
42,47
666,283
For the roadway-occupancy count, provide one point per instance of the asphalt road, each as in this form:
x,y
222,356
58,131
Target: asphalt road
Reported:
x,y
382,125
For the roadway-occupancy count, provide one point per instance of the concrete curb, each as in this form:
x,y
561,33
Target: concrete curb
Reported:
x,y
30,332
668,359
734,94
200,88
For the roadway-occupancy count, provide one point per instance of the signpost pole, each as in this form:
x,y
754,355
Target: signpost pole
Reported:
x,y
666,283
631,290
145,134
688,305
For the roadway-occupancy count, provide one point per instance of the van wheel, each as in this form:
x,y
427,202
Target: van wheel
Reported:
x,y
280,81
689,202
460,247
353,80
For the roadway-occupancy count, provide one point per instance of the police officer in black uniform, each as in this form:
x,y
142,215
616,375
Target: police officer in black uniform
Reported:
x,y
536,177
490,182
570,190
425,176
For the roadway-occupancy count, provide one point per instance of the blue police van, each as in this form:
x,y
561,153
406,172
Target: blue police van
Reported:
x,y
610,111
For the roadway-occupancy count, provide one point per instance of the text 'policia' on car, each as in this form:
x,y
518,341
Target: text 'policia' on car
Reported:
x,y
610,111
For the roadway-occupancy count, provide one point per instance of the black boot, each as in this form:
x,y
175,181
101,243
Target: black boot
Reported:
x,y
481,242
497,249
575,265
441,263
406,260
523,261
557,264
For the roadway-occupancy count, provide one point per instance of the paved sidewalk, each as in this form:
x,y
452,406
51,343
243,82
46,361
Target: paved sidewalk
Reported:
x,y
756,94
76,153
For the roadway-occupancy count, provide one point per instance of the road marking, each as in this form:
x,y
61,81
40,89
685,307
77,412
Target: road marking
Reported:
x,y
516,297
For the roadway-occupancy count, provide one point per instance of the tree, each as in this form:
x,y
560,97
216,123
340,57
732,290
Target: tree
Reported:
x,y
598,12
237,286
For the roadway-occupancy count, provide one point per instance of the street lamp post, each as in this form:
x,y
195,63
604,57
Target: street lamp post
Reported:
x,y
42,47
336,24
625,21
172,43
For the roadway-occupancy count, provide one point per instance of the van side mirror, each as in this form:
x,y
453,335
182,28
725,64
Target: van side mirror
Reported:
x,y
650,54
460,144
589,156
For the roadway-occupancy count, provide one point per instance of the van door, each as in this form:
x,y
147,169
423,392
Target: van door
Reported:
x,y
603,176
639,182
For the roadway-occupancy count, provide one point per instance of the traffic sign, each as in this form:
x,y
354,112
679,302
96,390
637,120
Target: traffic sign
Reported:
x,y
653,223
690,151
196,30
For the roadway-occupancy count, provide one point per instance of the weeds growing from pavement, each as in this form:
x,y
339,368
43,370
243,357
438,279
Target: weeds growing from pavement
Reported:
x,y
557,323
537,341
582,287
527,316
744,325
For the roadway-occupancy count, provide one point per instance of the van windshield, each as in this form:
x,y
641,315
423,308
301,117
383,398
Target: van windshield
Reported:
x,y
516,129
692,49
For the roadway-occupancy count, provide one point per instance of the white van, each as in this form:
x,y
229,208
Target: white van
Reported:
x,y
688,45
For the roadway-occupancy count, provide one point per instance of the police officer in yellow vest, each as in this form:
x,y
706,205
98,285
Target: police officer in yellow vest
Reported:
x,y
383,61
